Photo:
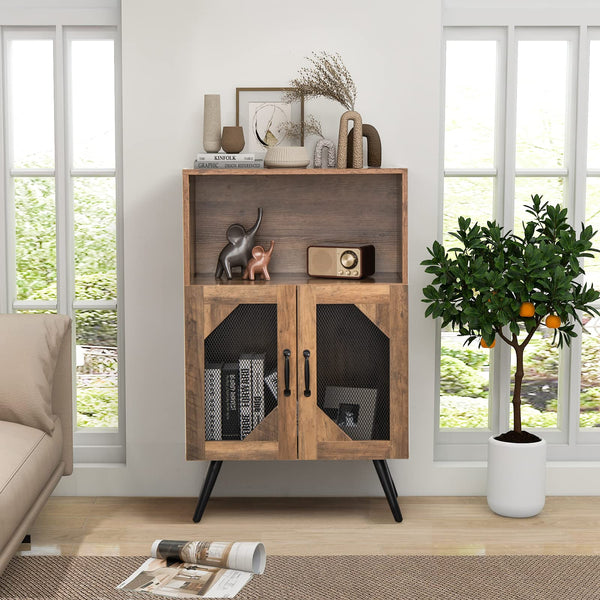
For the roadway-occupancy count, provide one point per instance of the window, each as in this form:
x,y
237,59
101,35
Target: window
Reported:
x,y
60,206
521,117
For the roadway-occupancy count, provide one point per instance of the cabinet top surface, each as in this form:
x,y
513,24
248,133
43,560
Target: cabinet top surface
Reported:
x,y
274,172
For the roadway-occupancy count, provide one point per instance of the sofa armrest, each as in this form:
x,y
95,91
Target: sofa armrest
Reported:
x,y
62,398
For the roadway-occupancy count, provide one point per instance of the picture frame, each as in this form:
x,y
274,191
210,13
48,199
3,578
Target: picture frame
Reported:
x,y
352,409
258,110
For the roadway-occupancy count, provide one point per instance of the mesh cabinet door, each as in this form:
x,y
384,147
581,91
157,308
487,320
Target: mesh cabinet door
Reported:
x,y
352,371
237,399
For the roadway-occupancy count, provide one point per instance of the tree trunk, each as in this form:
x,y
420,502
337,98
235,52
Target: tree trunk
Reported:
x,y
516,401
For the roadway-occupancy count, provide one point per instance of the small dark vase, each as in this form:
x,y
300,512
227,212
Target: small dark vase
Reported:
x,y
232,140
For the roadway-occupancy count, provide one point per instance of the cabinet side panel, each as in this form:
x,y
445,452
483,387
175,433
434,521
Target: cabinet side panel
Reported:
x,y
194,374
188,249
399,371
403,226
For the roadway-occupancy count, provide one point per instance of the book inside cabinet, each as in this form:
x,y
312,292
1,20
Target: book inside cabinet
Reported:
x,y
296,367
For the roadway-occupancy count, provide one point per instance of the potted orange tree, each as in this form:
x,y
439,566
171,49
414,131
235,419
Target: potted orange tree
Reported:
x,y
498,286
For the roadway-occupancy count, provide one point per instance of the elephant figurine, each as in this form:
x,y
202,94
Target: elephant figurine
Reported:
x,y
259,262
238,251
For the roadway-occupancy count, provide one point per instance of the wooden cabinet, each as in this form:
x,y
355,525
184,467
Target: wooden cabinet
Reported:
x,y
339,348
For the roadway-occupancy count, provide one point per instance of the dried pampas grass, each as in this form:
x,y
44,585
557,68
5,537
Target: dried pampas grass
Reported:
x,y
326,77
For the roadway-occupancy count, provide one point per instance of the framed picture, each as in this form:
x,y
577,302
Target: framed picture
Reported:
x,y
262,112
352,409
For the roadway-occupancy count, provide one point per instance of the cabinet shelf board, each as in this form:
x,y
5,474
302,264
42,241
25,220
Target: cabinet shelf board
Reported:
x,y
294,279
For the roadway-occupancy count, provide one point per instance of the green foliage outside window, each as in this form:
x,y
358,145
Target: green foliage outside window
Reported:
x,y
95,279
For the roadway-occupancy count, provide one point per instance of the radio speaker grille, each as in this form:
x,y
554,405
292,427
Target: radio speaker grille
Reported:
x,y
321,261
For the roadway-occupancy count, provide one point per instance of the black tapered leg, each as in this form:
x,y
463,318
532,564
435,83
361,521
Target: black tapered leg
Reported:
x,y
26,539
207,488
387,483
387,470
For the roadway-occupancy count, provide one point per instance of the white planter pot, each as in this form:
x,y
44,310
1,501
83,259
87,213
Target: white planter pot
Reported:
x,y
516,478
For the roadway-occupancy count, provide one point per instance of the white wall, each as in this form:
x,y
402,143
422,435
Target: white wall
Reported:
x,y
175,52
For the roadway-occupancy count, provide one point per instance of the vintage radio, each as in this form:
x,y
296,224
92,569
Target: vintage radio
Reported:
x,y
348,261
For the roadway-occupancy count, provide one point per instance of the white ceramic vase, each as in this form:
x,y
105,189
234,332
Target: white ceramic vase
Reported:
x,y
286,157
516,478
212,123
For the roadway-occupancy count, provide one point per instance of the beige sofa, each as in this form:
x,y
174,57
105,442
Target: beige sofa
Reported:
x,y
36,448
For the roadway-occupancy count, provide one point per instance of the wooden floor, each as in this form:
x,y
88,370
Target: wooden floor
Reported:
x,y
305,526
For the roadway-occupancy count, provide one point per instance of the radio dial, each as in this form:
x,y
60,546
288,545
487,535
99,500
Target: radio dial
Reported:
x,y
349,259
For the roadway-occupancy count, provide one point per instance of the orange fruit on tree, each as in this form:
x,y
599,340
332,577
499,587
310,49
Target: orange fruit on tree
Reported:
x,y
553,321
527,309
484,344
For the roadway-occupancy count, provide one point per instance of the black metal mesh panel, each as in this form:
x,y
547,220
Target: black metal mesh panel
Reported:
x,y
250,329
353,372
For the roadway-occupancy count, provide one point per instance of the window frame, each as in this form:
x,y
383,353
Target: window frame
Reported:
x,y
568,441
95,21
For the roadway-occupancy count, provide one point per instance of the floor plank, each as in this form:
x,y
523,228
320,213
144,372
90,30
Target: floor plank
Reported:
x,y
306,526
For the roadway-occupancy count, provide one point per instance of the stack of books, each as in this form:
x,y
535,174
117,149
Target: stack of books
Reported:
x,y
234,396
222,160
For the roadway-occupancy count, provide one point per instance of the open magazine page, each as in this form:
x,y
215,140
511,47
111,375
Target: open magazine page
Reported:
x,y
182,569
185,580
243,556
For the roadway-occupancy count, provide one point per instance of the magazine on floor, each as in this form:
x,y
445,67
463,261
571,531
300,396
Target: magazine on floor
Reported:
x,y
181,569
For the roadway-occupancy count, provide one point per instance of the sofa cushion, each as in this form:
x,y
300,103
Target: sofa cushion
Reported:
x,y
29,347
29,458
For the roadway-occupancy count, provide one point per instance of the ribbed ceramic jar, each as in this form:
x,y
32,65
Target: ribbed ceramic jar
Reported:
x,y
516,478
286,157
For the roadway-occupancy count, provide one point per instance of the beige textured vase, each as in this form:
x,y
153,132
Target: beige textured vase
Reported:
x,y
212,123
357,150
232,139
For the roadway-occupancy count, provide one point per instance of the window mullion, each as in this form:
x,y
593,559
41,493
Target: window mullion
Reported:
x,y
505,213
470,172
93,172
501,115
542,172
506,202
577,209
63,217
4,225
9,214
580,172
500,388
31,172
